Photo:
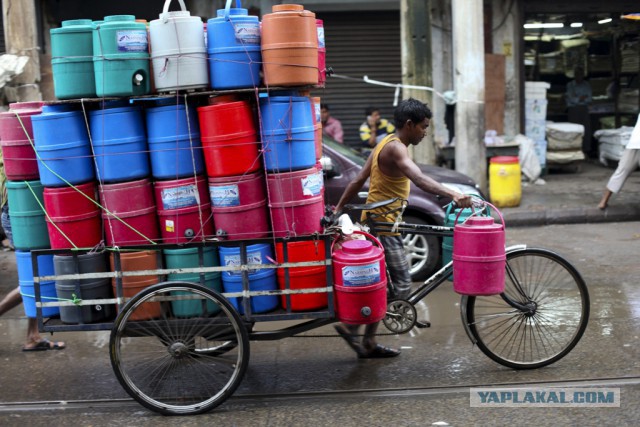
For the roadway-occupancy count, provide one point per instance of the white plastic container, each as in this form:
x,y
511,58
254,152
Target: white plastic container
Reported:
x,y
536,90
178,51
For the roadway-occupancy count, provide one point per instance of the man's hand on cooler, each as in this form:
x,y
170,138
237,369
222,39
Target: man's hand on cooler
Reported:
x,y
462,200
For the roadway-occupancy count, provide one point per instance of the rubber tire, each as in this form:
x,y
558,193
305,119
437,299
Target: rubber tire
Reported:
x,y
151,403
584,312
433,245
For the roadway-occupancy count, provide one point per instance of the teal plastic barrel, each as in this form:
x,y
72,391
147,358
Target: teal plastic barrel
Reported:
x,y
190,258
121,56
72,59
27,216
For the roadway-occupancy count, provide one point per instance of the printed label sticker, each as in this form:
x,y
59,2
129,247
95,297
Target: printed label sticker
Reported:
x,y
169,226
320,37
247,33
312,184
180,197
361,275
234,260
225,195
132,41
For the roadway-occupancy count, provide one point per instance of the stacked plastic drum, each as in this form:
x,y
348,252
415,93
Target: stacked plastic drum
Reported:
x,y
25,198
178,52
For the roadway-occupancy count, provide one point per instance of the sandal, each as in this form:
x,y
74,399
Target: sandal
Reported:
x,y
44,345
379,352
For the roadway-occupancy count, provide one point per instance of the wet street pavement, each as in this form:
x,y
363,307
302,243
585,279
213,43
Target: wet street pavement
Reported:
x,y
317,379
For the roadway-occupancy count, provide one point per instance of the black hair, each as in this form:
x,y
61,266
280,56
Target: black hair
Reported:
x,y
370,110
324,106
410,109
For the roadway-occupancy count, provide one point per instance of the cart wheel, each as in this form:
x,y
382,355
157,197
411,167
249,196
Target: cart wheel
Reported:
x,y
179,348
401,316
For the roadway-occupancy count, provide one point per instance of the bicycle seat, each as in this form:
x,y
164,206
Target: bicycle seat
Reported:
x,y
369,206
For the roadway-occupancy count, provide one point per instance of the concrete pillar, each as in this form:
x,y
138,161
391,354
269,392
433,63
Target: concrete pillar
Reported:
x,y
21,38
468,48
506,41
442,64
415,29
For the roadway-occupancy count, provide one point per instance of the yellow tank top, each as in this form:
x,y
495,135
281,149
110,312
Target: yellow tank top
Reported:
x,y
383,187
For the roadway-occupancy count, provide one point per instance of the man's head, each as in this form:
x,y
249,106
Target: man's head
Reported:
x,y
411,118
374,113
324,112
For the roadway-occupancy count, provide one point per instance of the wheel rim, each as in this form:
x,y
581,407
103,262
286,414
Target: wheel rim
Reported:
x,y
538,337
417,251
179,365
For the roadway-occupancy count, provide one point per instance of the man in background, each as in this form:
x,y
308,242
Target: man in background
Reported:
x,y
330,125
578,97
375,128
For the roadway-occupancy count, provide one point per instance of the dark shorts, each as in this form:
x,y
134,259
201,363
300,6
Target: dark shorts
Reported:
x,y
397,265
6,225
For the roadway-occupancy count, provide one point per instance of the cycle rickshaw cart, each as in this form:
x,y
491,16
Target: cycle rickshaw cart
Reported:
x,y
179,365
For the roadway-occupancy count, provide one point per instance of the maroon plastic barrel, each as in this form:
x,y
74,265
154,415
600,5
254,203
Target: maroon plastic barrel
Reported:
x,y
184,210
239,206
17,150
130,217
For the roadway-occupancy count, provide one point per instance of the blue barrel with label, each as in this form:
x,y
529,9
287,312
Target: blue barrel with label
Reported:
x,y
72,59
234,48
121,56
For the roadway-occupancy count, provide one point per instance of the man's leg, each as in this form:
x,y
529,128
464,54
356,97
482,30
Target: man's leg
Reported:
x,y
11,300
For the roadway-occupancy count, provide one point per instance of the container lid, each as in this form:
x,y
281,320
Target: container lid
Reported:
x,y
504,159
115,18
30,105
357,246
287,8
235,11
74,25
479,223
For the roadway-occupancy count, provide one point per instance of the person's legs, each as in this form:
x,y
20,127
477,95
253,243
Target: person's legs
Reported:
x,y
11,300
34,340
627,164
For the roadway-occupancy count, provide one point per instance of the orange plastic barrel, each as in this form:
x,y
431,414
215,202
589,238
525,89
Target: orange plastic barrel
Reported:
x,y
289,46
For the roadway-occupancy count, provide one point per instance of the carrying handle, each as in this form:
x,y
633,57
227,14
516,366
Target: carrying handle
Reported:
x,y
473,213
227,7
450,205
363,233
165,9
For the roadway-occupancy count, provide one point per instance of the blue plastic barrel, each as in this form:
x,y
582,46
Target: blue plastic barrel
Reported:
x,y
119,144
261,280
288,137
173,135
72,59
25,280
260,253
62,146
234,48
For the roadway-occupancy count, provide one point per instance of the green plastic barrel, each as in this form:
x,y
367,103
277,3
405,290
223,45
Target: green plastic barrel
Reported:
x,y
72,59
26,215
121,56
189,258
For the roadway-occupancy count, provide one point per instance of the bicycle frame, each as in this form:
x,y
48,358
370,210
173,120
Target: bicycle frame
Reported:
x,y
440,276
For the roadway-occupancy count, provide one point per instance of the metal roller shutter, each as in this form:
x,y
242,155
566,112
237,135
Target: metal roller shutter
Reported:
x,y
359,44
